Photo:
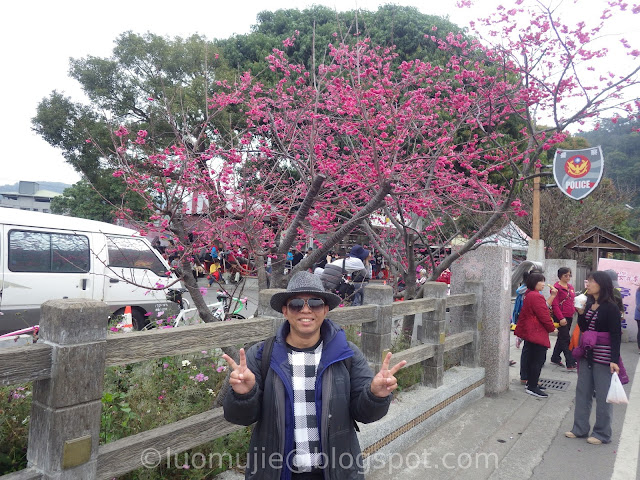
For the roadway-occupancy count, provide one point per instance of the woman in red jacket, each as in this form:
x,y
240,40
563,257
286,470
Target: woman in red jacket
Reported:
x,y
563,310
534,326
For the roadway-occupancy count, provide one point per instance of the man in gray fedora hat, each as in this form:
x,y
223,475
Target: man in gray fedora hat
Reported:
x,y
316,386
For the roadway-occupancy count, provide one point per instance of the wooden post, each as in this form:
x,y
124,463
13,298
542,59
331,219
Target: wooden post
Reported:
x,y
376,336
433,331
65,413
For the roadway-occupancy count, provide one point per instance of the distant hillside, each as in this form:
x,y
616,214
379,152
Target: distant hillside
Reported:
x,y
52,186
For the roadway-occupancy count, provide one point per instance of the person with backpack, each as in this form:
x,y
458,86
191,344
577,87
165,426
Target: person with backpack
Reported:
x,y
335,273
305,389
359,276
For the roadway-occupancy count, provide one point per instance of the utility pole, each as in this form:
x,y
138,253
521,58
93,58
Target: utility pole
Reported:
x,y
535,252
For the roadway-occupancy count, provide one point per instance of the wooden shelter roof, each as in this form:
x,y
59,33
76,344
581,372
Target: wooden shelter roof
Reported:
x,y
598,238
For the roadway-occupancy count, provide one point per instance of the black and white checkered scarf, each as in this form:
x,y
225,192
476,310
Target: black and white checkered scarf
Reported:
x,y
304,367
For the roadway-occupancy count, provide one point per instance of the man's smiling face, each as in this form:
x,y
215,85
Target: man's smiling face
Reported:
x,y
305,322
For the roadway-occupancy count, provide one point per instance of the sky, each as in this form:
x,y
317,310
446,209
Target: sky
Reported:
x,y
39,36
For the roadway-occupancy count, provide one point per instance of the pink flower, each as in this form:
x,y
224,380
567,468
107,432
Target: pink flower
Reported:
x,y
165,366
201,377
221,369
122,131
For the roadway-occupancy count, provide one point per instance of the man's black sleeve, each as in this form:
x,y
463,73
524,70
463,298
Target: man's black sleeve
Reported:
x,y
245,409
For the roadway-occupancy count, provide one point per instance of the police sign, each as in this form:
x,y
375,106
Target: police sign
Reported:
x,y
578,172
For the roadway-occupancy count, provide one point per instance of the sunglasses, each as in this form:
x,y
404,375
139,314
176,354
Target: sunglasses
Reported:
x,y
297,304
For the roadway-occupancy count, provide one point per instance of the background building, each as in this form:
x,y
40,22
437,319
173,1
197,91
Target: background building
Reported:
x,y
28,197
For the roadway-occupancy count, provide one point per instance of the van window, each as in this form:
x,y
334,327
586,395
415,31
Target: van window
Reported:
x,y
48,252
133,253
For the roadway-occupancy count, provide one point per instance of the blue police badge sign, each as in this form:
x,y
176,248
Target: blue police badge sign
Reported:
x,y
578,172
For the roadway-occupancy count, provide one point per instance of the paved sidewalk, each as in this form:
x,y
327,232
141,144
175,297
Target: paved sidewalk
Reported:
x,y
515,436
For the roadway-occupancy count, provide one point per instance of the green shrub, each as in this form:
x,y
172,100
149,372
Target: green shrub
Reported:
x,y
354,334
15,410
136,398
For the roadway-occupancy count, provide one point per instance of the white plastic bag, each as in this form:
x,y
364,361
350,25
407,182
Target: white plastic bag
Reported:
x,y
616,392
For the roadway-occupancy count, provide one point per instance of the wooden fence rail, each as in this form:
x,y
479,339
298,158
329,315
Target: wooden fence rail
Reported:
x,y
67,369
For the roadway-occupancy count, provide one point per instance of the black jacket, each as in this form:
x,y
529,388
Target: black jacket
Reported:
x,y
342,396
608,320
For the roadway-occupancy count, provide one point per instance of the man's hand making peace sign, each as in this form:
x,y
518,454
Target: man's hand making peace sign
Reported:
x,y
384,382
241,379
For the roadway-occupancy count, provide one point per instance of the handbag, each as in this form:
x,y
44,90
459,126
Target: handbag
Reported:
x,y
345,288
616,393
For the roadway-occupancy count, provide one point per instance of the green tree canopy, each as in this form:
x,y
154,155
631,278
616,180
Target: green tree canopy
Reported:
x,y
404,27
95,201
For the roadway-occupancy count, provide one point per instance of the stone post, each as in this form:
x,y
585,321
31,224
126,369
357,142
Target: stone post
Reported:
x,y
490,265
433,331
65,413
264,308
376,335
535,251
470,320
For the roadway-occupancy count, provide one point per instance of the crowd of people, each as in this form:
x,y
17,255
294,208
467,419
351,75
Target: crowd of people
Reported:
x,y
596,354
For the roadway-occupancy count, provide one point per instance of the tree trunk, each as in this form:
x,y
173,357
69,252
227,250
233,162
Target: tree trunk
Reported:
x,y
191,285
262,272
409,287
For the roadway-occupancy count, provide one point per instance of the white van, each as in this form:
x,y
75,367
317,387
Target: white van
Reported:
x,y
45,256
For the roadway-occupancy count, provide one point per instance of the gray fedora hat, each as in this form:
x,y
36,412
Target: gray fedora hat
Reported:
x,y
304,282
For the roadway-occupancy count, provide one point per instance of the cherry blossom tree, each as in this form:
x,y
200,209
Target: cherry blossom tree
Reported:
x,y
441,150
